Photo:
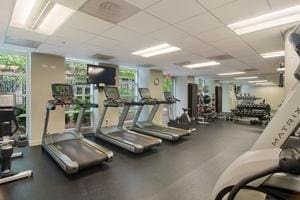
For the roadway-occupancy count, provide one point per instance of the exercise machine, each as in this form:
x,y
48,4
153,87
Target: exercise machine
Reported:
x,y
70,149
9,126
258,169
119,135
183,121
148,127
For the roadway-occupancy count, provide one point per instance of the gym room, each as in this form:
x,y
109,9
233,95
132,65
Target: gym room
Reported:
x,y
149,99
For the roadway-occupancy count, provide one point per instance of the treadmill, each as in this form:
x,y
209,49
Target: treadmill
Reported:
x,y
119,135
148,127
70,149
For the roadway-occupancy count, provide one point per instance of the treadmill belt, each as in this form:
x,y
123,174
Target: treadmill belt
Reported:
x,y
167,130
80,152
133,138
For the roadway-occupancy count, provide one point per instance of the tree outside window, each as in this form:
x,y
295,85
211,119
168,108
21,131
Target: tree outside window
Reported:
x,y
75,74
128,88
13,80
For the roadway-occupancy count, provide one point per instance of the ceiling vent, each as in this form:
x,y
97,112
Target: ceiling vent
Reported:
x,y
113,11
183,63
250,70
101,57
147,65
220,57
22,42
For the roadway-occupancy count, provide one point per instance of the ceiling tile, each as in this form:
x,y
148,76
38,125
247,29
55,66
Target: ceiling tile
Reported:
x,y
25,34
228,42
199,23
174,11
266,40
216,34
6,9
142,4
280,4
74,4
61,41
143,23
102,42
120,34
241,10
214,3
168,34
73,34
87,23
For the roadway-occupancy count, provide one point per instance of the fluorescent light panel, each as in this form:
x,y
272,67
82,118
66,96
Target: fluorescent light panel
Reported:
x,y
21,12
280,69
231,73
204,64
55,18
245,78
273,19
273,54
258,81
156,50
266,83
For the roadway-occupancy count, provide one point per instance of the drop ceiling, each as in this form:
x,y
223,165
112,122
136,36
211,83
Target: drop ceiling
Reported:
x,y
198,27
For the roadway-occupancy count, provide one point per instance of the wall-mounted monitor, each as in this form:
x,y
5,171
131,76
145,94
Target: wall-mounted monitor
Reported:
x,y
99,75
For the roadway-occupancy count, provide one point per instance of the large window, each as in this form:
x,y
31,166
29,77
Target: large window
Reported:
x,y
13,80
128,87
75,73
168,87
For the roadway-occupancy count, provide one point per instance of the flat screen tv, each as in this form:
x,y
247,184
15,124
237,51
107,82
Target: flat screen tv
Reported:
x,y
98,74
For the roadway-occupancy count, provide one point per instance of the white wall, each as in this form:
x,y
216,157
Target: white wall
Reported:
x,y
291,63
274,95
45,70
228,97
146,79
181,92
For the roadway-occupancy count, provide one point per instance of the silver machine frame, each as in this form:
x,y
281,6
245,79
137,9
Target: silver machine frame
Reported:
x,y
9,100
103,133
49,139
141,126
265,152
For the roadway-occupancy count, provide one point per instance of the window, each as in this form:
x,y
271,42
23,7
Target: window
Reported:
x,y
75,73
128,88
13,80
168,109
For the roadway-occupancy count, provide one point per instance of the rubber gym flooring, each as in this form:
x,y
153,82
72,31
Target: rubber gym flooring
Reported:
x,y
185,170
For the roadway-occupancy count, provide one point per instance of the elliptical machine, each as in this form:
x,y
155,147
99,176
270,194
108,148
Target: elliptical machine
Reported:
x,y
267,168
8,139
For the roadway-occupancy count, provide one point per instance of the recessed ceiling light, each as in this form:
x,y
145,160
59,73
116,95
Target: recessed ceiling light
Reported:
x,y
273,19
156,50
231,73
57,15
280,69
245,78
273,54
258,81
42,16
266,83
21,12
204,64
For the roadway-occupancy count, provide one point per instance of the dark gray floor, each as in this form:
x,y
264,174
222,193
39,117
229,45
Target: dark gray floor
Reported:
x,y
186,170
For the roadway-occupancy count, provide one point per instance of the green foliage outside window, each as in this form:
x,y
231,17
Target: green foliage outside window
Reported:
x,y
13,80
167,84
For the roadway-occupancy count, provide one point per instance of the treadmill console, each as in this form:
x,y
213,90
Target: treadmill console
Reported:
x,y
62,92
145,93
112,92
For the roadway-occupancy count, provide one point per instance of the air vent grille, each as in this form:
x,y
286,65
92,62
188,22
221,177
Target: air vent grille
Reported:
x,y
101,57
114,11
147,65
183,63
220,57
22,42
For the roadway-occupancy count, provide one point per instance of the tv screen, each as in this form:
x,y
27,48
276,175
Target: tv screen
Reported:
x,y
98,74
